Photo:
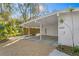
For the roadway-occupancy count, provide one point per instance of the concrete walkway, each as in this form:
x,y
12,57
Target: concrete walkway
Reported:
x,y
22,46
27,48
57,53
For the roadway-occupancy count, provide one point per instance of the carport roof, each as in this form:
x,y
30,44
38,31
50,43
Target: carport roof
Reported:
x,y
47,19
35,23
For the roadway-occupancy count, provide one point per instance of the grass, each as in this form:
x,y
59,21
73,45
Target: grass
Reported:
x,y
73,51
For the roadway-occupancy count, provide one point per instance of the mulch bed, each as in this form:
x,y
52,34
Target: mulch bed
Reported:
x,y
3,41
67,49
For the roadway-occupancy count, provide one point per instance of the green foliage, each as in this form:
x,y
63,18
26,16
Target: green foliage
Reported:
x,y
2,32
5,15
8,29
9,26
70,9
76,49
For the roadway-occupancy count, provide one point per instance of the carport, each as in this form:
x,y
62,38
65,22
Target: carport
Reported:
x,y
48,25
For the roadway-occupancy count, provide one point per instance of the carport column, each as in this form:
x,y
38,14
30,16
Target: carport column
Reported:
x,y
28,31
59,41
41,31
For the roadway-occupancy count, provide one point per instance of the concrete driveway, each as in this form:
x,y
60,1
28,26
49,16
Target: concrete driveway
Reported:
x,y
29,48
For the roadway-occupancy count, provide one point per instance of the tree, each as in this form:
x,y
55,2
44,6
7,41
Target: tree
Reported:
x,y
30,10
23,9
5,11
5,16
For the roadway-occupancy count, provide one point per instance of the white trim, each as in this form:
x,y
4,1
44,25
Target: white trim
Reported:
x,y
41,31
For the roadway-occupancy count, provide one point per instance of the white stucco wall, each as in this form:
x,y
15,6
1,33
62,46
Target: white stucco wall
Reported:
x,y
64,30
51,30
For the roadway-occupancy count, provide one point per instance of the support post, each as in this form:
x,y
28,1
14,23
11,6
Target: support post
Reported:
x,y
41,31
28,31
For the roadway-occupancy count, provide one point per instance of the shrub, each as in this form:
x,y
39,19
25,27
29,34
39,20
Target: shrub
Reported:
x,y
76,49
7,30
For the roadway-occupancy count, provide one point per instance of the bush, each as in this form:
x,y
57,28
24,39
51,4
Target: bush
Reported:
x,y
76,49
9,30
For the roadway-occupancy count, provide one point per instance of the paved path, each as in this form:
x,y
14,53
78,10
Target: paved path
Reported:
x,y
27,48
57,53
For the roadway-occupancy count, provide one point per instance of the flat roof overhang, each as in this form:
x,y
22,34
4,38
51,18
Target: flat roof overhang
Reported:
x,y
51,19
73,12
66,11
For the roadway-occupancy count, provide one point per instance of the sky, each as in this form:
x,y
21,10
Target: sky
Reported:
x,y
61,6
56,6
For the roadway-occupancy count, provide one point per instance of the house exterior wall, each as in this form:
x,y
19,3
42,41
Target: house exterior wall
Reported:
x,y
50,30
65,29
